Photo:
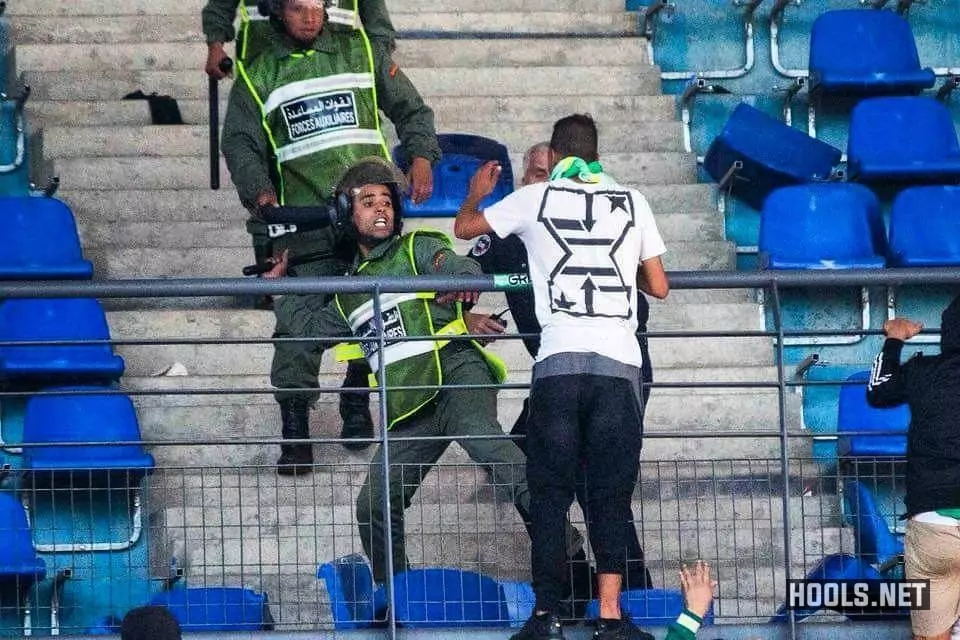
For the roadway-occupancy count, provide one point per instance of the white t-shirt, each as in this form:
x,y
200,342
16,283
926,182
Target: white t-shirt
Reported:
x,y
584,244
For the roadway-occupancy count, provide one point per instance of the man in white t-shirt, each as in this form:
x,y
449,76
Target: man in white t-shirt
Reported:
x,y
592,247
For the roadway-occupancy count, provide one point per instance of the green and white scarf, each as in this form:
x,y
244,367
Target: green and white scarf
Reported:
x,y
574,167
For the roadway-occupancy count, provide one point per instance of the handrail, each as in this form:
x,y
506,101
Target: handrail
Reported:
x,y
197,287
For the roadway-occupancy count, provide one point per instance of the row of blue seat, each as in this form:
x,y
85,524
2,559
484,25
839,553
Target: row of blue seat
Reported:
x,y
444,597
904,140
840,226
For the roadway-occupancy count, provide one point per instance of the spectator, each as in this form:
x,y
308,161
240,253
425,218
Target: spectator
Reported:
x,y
930,385
586,236
218,17
284,143
508,255
369,197
150,623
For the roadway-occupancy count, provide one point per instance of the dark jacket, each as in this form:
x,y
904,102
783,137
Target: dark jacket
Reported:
x,y
930,385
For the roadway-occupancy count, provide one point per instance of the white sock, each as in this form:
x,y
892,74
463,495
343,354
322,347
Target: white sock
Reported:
x,y
955,632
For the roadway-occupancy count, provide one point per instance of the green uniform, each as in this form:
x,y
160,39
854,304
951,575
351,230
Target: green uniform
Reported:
x,y
261,161
219,15
452,413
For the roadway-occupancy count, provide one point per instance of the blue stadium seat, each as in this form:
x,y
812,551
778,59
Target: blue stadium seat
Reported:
x,y
903,139
854,414
354,599
822,226
88,417
14,147
19,561
925,227
462,156
649,607
40,241
873,540
217,609
448,598
857,52
773,155
34,320
840,566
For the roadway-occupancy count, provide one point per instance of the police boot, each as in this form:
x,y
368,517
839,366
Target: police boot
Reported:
x,y
355,408
295,459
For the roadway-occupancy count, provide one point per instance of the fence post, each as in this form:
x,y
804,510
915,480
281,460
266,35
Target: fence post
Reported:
x,y
385,458
784,444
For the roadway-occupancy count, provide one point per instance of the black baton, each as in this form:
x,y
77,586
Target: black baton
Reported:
x,y
213,93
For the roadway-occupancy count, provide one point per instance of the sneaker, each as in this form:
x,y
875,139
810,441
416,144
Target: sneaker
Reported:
x,y
619,630
545,626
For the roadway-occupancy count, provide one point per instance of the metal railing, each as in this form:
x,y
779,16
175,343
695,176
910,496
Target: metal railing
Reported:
x,y
228,519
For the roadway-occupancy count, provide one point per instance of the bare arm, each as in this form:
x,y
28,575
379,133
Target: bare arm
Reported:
x,y
652,279
470,221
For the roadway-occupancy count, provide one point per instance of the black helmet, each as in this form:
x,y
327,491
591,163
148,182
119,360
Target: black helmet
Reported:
x,y
371,170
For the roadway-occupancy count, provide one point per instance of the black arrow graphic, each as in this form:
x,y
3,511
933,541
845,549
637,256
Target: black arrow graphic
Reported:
x,y
589,221
588,289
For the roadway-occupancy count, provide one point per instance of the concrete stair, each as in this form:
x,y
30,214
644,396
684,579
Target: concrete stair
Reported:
x,y
141,198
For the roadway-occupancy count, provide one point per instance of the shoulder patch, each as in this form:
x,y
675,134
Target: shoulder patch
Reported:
x,y
481,246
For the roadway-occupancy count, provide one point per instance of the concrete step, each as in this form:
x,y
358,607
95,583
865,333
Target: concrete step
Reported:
x,y
112,262
102,28
202,205
411,52
231,233
430,81
193,7
178,141
241,407
451,111
183,172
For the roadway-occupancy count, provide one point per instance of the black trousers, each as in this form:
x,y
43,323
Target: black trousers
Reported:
x,y
583,430
637,575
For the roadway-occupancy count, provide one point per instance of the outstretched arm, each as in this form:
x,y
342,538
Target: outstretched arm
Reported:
x,y
698,589
470,221
886,387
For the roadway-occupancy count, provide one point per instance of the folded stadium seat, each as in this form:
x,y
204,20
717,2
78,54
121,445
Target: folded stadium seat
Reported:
x,y
220,609
649,607
903,139
354,599
40,241
857,52
448,598
925,227
773,155
462,156
822,226
854,414
89,416
20,566
839,566
19,562
873,541
14,146
33,320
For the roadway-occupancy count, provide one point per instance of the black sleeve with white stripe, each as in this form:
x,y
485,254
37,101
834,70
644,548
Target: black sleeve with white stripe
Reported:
x,y
886,387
